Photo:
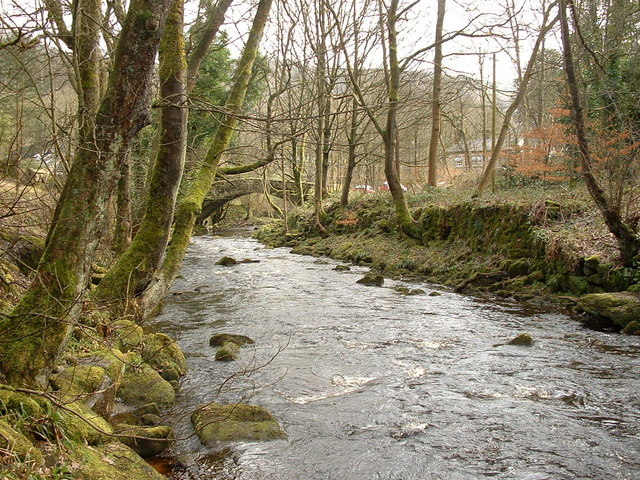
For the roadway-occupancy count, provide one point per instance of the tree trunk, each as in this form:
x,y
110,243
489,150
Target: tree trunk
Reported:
x,y
627,238
522,90
188,208
133,270
37,329
405,220
123,227
435,102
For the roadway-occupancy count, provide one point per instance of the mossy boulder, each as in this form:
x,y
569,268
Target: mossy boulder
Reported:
x,y
79,380
227,261
228,352
82,424
12,401
342,268
113,461
128,335
402,290
235,422
16,447
112,361
141,385
616,309
145,441
164,355
372,279
220,339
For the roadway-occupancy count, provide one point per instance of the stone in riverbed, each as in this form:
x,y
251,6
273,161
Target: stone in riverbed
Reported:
x,y
220,339
228,352
372,279
522,340
235,422
227,261
342,268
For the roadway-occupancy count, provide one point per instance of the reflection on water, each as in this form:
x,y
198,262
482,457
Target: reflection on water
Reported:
x,y
371,384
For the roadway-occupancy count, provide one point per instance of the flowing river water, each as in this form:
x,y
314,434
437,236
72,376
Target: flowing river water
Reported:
x,y
371,384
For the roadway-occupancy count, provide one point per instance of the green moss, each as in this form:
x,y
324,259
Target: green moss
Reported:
x,y
236,422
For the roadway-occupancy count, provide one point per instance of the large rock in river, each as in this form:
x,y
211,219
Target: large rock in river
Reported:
x,y
617,309
372,279
218,422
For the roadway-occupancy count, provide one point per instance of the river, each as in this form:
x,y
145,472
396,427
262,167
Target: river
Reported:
x,y
371,384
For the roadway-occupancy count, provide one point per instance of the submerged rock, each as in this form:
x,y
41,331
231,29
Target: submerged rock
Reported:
x,y
220,339
227,261
617,309
372,279
435,294
402,290
342,268
235,422
228,352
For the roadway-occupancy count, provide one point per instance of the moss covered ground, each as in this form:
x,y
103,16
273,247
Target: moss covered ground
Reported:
x,y
530,244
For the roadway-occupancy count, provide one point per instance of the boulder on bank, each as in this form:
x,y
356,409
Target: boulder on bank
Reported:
x,y
227,261
235,422
142,385
128,335
219,339
145,441
616,309
372,279
109,462
163,354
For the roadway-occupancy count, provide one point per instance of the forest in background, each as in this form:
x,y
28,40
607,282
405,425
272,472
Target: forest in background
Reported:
x,y
117,117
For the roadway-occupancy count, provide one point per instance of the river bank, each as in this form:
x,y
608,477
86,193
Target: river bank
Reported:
x,y
545,248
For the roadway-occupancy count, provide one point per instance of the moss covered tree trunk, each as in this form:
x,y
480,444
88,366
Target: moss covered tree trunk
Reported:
x,y
628,240
405,220
133,270
36,330
189,207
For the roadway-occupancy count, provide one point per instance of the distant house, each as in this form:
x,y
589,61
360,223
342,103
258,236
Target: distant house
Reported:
x,y
471,156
